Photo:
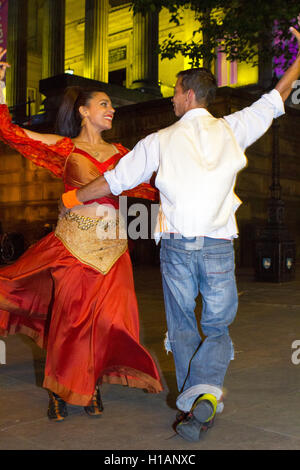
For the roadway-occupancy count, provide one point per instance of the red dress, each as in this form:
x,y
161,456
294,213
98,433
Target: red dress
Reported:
x,y
87,321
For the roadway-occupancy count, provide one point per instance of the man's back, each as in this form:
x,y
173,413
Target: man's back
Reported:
x,y
198,164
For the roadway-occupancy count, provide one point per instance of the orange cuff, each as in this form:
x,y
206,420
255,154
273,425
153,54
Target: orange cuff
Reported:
x,y
70,200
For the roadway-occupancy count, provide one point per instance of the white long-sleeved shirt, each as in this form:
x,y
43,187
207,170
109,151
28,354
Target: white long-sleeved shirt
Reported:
x,y
247,126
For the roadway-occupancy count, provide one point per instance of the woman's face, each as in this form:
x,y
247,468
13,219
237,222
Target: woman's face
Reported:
x,y
99,111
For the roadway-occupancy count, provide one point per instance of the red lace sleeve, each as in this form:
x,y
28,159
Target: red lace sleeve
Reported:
x,y
52,157
144,190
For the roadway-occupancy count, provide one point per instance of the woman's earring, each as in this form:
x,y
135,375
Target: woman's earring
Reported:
x,y
83,122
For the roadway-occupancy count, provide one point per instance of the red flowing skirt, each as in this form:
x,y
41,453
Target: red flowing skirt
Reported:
x,y
87,322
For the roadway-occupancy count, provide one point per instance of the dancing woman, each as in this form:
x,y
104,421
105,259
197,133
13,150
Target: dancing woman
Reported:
x,y
73,291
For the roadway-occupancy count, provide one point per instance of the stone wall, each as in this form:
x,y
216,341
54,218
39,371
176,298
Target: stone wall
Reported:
x,y
29,195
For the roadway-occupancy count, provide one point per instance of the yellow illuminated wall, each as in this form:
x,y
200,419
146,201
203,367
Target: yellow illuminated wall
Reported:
x,y
74,36
120,45
246,74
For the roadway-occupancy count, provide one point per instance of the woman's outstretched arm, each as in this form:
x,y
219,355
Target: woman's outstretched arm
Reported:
x,y
48,139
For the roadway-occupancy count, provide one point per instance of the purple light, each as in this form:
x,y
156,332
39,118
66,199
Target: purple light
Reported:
x,y
280,62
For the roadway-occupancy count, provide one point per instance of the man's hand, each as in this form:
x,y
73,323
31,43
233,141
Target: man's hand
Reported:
x,y
285,84
3,65
296,34
62,209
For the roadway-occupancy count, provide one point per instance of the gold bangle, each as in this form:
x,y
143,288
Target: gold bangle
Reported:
x,y
70,199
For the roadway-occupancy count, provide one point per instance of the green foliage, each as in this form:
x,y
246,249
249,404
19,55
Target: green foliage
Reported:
x,y
238,27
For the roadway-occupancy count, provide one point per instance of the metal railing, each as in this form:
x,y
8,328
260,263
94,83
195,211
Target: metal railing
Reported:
x,y
21,112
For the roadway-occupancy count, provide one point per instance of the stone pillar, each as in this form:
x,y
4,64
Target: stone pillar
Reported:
x,y
96,40
16,84
53,38
145,57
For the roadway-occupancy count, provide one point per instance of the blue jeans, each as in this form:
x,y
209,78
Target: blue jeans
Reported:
x,y
190,266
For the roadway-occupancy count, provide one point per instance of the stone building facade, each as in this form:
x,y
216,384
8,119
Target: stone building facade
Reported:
x,y
100,40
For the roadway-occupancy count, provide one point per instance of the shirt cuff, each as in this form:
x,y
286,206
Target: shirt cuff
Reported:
x,y
113,183
274,97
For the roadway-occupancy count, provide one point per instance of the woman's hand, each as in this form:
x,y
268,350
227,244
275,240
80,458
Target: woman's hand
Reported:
x,y
3,65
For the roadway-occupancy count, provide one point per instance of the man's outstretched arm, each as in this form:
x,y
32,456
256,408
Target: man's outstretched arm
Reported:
x,y
250,123
134,168
94,190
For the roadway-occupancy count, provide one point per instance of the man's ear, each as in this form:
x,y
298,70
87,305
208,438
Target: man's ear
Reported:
x,y
190,96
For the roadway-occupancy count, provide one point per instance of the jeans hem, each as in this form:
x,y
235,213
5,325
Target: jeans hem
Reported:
x,y
186,399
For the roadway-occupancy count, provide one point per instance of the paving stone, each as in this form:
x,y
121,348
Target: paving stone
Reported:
x,y
262,386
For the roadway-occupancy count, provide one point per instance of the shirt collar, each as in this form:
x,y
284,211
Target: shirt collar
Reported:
x,y
195,112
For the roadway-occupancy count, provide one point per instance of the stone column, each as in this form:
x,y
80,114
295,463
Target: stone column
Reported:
x,y
53,38
16,84
96,40
145,57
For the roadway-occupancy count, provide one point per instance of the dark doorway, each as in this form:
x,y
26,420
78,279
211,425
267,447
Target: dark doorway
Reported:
x,y
117,77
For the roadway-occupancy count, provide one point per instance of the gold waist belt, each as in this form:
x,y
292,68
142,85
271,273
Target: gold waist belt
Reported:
x,y
92,241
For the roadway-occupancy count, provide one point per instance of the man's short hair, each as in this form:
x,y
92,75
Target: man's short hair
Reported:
x,y
202,82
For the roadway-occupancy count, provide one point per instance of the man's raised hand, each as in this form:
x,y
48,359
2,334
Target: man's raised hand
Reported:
x,y
296,33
